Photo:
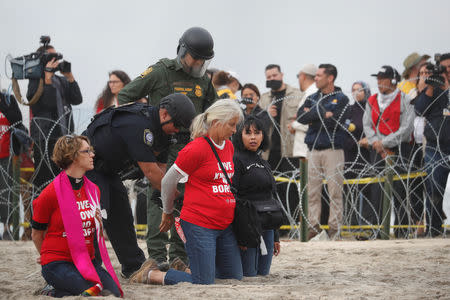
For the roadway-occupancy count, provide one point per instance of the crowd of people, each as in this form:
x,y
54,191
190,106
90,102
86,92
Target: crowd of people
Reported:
x,y
204,141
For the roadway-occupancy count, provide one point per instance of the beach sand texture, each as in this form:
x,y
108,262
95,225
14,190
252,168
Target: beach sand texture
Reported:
x,y
394,269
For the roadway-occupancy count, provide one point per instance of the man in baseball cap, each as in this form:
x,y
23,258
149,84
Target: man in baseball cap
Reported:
x,y
308,87
387,86
388,122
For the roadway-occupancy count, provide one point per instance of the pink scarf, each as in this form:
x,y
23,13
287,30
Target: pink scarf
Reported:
x,y
74,228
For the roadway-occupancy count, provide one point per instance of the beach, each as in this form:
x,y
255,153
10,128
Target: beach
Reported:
x,y
377,269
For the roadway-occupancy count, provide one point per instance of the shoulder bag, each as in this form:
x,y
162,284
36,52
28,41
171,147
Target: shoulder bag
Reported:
x,y
246,223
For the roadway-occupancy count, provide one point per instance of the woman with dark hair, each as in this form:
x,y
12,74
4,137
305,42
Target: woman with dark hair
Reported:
x,y
253,181
418,152
117,80
67,223
250,97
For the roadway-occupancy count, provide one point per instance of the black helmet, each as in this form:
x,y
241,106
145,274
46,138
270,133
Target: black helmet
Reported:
x,y
198,42
180,108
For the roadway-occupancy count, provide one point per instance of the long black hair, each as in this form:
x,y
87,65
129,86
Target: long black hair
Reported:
x,y
250,121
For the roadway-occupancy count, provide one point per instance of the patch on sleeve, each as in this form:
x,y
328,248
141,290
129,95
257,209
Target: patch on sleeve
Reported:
x,y
334,101
148,137
146,72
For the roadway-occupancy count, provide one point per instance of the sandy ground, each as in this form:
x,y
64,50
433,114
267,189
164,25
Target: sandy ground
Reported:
x,y
396,269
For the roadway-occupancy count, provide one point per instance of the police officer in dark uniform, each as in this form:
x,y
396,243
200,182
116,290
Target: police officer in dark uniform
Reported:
x,y
134,136
185,74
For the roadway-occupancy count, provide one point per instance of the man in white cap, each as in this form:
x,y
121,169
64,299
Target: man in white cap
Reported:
x,y
307,86
235,84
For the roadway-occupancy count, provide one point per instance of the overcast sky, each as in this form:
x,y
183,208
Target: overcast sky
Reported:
x,y
99,36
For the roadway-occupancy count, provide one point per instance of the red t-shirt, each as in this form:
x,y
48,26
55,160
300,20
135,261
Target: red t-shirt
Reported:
x,y
5,136
46,211
208,201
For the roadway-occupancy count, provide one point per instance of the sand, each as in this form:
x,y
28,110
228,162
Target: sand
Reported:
x,y
395,269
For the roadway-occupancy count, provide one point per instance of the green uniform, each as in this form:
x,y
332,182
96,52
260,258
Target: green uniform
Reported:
x,y
167,77
164,78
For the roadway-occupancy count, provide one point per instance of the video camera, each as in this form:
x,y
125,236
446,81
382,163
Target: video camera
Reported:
x,y
32,66
63,67
436,79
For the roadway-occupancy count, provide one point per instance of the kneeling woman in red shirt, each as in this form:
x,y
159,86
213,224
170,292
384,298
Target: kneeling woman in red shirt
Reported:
x,y
66,220
208,206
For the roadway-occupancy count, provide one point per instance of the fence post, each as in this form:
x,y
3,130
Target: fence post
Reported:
x,y
304,200
15,196
387,198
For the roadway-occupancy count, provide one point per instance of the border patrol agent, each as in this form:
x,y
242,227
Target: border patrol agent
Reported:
x,y
186,75
134,136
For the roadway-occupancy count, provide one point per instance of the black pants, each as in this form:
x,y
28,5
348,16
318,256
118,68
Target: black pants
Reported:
x,y
416,185
119,224
402,208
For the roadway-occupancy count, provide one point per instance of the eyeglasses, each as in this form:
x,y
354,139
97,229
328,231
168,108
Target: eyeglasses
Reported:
x,y
114,82
87,151
424,73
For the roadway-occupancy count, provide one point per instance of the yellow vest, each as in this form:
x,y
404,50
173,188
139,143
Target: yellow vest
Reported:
x,y
406,86
228,92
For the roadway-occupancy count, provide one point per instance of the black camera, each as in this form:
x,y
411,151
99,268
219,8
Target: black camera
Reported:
x,y
46,57
45,40
63,67
32,66
436,79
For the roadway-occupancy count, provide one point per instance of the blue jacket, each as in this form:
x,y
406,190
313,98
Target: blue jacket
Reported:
x,y
437,129
324,133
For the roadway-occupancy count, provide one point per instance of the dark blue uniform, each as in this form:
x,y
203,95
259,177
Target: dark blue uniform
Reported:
x,y
324,133
122,137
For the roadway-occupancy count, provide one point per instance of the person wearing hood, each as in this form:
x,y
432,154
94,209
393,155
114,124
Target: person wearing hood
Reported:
x,y
356,157
388,124
354,123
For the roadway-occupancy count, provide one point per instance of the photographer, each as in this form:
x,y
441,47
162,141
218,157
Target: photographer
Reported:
x,y
52,113
434,104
